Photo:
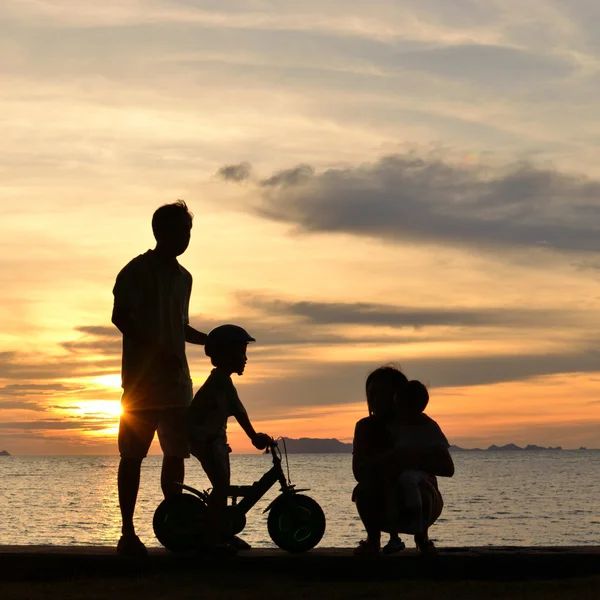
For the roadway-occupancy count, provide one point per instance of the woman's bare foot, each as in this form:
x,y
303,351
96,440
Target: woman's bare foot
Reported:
x,y
367,548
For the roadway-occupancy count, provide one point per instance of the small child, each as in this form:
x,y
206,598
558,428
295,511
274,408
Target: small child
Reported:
x,y
412,428
213,404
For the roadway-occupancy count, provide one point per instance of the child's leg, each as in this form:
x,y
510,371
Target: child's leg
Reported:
x,y
422,541
409,482
214,457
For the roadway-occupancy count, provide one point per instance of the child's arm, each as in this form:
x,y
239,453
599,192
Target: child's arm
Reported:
x,y
259,440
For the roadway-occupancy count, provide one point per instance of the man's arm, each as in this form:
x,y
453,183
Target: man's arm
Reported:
x,y
124,321
130,289
193,336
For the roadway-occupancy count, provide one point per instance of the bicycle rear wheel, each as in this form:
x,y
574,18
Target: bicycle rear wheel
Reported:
x,y
179,522
296,523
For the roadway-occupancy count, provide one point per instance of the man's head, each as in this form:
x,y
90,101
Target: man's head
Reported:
x,y
226,347
172,226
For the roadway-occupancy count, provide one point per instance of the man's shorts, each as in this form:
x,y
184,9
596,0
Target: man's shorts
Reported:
x,y
148,410
137,429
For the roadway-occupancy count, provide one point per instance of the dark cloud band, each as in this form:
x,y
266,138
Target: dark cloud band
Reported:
x,y
405,197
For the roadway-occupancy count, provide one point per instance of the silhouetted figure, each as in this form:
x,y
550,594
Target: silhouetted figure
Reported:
x,y
398,452
213,404
151,302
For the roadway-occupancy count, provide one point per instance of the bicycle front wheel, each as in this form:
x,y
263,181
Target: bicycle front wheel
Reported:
x,y
296,523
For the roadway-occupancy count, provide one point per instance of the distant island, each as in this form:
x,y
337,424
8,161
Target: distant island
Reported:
x,y
507,448
317,446
4,453
334,446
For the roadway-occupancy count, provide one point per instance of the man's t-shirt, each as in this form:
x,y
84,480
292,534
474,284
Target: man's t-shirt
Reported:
x,y
157,295
213,404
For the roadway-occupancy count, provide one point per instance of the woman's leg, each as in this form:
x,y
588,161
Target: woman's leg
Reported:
x,y
369,502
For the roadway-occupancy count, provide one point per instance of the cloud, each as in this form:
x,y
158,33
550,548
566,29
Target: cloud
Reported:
x,y
485,64
18,366
61,424
412,198
21,396
27,389
364,313
20,405
96,340
333,383
289,177
99,331
239,172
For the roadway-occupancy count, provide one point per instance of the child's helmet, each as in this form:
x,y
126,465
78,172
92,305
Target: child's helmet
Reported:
x,y
226,335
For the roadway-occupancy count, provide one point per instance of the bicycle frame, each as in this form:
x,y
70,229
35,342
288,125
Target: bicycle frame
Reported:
x,y
251,494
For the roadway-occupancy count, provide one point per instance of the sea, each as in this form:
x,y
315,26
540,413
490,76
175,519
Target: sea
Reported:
x,y
545,498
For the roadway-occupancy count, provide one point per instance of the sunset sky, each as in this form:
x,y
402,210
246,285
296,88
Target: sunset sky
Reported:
x,y
413,181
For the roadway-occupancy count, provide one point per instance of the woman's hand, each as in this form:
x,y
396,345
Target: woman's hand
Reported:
x,y
406,457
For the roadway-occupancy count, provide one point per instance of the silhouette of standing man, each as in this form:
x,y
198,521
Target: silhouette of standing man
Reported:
x,y
151,302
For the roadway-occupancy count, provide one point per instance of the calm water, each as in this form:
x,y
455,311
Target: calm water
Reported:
x,y
540,498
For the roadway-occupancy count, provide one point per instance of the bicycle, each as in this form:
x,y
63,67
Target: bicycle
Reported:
x,y
296,523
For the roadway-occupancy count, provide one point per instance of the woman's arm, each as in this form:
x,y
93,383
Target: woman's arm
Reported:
x,y
435,461
365,466
368,458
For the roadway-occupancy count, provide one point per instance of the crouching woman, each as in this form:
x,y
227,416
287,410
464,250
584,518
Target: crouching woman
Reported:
x,y
379,463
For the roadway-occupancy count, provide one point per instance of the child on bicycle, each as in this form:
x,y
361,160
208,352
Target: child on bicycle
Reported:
x,y
213,404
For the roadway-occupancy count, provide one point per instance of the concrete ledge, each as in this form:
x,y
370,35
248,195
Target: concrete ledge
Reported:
x,y
51,563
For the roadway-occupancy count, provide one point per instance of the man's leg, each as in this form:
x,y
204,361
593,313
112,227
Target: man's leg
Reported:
x,y
128,484
136,430
172,432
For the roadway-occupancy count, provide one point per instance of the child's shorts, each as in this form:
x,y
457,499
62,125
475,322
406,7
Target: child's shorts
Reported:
x,y
213,454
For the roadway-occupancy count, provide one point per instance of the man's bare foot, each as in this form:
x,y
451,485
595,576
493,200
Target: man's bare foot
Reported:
x,y
130,545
